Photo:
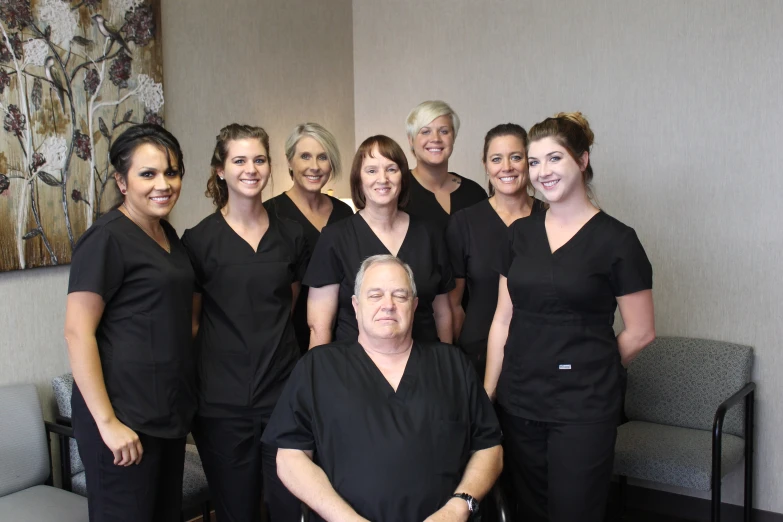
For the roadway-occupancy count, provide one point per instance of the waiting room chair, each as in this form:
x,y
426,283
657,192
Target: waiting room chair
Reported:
x,y
26,493
195,490
683,429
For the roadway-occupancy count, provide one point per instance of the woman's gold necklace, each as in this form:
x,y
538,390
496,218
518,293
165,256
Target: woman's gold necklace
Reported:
x,y
167,248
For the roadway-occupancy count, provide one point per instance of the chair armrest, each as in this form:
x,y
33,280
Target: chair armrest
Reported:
x,y
59,429
723,408
501,503
65,421
64,433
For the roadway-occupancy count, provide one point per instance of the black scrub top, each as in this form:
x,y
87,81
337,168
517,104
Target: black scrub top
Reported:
x,y
393,456
246,342
475,236
283,206
423,203
343,247
562,362
144,335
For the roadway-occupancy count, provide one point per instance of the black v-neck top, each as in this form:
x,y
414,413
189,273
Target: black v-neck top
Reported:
x,y
562,362
393,456
344,245
246,343
144,335
475,236
424,204
283,206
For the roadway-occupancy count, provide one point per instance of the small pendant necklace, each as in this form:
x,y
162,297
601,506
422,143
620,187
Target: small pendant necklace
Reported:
x,y
167,248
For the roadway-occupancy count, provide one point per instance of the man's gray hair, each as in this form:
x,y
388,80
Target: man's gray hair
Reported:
x,y
379,260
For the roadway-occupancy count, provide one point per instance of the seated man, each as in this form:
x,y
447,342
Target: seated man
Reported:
x,y
400,431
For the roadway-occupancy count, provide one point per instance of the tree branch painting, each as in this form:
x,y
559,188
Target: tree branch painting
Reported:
x,y
73,74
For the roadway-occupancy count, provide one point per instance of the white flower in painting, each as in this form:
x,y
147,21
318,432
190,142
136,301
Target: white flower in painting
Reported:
x,y
54,150
35,52
149,92
58,15
119,7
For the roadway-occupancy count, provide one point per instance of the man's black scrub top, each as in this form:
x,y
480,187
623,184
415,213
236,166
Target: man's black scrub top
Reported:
x,y
246,342
144,335
343,246
283,206
392,456
562,362
424,204
475,236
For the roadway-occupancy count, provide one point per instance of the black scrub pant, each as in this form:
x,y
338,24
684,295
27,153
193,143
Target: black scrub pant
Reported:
x,y
559,472
150,491
238,467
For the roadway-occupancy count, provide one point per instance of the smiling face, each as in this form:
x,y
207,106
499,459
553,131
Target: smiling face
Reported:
x,y
434,142
246,169
381,180
385,304
152,185
554,172
310,165
506,165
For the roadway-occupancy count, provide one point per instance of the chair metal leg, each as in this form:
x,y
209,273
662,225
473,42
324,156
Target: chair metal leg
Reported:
x,y
622,497
206,511
749,450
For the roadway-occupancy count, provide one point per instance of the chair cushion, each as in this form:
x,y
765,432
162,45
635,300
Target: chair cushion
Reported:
x,y
195,489
63,389
680,381
672,455
43,503
24,457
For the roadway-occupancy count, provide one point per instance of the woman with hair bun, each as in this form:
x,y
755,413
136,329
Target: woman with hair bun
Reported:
x,y
436,193
472,237
248,264
127,325
554,363
313,161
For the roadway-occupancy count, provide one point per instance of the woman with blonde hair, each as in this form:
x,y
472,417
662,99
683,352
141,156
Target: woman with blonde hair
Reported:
x,y
248,264
436,193
313,161
554,363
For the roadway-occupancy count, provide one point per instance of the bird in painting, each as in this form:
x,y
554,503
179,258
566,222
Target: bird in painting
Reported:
x,y
110,32
54,79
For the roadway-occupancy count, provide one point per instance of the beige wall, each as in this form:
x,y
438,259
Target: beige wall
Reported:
x,y
273,63
684,98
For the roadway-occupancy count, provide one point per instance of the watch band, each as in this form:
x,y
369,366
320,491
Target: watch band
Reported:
x,y
472,502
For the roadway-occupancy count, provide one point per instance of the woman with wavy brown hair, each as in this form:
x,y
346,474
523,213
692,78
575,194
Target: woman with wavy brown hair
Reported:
x,y
248,264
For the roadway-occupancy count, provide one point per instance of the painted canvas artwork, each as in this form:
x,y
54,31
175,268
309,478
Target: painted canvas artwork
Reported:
x,y
73,75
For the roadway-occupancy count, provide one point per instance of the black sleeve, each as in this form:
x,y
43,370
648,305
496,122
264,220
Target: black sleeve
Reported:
x,y
97,264
631,270
443,261
325,267
290,426
195,260
484,426
456,241
506,251
303,252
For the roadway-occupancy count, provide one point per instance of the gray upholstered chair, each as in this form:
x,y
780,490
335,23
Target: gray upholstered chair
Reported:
x,y
682,429
26,494
195,491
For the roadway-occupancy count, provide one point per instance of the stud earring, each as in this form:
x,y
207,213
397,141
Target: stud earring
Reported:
x,y
221,178
122,191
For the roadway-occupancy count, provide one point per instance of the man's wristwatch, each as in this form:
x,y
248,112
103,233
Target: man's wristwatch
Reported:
x,y
473,504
